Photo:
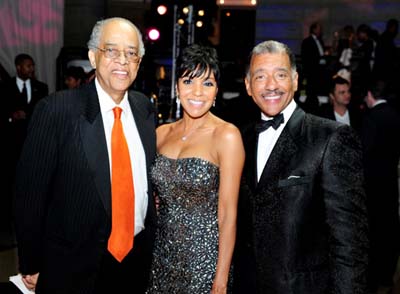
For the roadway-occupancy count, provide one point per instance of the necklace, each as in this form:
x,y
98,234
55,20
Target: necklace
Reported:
x,y
185,137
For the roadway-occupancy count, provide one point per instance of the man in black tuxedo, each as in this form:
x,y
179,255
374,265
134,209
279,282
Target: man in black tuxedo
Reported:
x,y
380,133
63,185
314,66
302,219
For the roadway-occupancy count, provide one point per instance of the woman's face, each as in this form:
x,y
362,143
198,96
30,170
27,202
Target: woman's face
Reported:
x,y
197,94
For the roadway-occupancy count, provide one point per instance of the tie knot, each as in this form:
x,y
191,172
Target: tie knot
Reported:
x,y
117,112
265,124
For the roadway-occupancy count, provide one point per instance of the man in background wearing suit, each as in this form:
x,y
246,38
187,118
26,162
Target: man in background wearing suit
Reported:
x,y
302,220
340,107
380,138
314,61
22,93
64,191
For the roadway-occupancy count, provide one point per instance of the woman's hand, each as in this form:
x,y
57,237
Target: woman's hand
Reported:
x,y
218,288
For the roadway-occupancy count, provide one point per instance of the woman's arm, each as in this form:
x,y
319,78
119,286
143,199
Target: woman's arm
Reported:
x,y
231,159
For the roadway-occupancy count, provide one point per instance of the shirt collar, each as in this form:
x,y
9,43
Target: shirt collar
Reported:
x,y
20,82
287,112
107,103
380,101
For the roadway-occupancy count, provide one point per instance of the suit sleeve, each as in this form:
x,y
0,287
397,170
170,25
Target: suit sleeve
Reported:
x,y
345,202
33,178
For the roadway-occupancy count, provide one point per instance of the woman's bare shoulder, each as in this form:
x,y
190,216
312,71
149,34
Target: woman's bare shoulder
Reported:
x,y
164,132
165,129
226,131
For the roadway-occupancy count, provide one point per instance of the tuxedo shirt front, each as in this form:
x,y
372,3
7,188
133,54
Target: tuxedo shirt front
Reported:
x,y
267,139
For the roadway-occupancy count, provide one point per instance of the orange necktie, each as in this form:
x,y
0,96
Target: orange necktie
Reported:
x,y
122,193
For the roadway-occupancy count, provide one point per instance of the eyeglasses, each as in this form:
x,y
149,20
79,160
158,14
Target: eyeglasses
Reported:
x,y
113,53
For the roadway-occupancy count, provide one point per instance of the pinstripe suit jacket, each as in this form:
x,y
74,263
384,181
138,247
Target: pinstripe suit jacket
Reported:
x,y
63,189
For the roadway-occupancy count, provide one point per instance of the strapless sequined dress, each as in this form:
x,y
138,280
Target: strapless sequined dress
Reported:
x,y
186,246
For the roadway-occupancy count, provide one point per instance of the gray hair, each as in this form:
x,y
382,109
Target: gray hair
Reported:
x,y
273,47
94,41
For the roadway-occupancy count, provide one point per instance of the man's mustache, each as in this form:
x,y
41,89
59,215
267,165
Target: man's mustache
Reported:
x,y
272,93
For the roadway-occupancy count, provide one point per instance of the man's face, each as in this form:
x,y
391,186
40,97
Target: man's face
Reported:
x,y
26,69
341,95
271,82
72,83
362,37
115,75
318,31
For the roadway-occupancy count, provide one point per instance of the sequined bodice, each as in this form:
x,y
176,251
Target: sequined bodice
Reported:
x,y
186,247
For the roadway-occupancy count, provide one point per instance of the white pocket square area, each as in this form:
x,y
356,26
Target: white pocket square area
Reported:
x,y
293,177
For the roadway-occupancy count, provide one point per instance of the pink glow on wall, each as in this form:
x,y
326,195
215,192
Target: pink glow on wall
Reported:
x,y
35,22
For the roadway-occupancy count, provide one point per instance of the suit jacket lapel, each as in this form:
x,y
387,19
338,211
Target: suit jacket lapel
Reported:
x,y
34,92
283,151
145,127
250,139
140,118
95,145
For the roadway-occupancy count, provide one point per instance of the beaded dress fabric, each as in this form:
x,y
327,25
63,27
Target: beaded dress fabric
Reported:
x,y
186,246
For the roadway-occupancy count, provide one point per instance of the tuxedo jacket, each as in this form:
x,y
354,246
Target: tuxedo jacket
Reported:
x,y
310,56
303,227
63,189
314,72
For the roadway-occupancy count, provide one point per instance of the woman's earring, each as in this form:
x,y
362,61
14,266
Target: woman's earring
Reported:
x,y
214,102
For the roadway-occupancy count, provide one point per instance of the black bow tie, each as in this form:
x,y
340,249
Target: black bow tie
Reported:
x,y
262,125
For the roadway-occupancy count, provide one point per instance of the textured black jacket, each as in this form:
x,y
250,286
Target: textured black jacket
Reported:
x,y
303,228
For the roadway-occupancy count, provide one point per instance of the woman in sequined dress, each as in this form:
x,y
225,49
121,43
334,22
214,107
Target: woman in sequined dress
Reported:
x,y
196,175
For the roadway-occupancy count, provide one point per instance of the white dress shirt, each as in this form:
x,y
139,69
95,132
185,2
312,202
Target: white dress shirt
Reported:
x,y
267,139
20,85
135,146
344,119
320,49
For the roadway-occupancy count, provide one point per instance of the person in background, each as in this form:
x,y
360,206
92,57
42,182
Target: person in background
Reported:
x,y
380,133
68,177
361,75
302,217
344,51
340,107
22,93
196,176
387,59
90,76
314,64
74,77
